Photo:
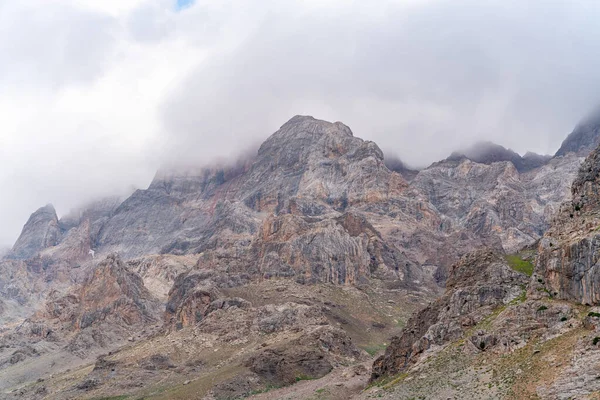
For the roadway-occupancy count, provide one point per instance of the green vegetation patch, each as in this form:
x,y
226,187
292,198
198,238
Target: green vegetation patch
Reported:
x,y
518,264
374,349
122,397
266,389
305,378
593,314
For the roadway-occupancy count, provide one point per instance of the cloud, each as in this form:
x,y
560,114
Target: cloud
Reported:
x,y
45,46
95,95
420,78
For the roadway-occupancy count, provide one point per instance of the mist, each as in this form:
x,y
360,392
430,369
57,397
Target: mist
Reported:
x,y
96,96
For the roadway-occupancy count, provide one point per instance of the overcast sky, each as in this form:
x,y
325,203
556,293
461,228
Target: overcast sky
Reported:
x,y
95,95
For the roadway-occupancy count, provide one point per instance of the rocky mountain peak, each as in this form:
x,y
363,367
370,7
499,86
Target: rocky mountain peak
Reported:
x,y
114,278
314,158
584,138
394,163
301,137
41,231
299,123
586,186
487,153
238,256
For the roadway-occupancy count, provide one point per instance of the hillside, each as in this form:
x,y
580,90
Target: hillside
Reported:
x,y
294,265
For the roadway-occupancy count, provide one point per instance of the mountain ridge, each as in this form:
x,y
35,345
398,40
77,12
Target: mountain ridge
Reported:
x,y
313,249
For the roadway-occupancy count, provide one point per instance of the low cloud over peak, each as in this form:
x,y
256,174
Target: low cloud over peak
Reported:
x,y
96,95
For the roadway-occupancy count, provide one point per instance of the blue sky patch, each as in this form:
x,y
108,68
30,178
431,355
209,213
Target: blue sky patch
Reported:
x,y
181,4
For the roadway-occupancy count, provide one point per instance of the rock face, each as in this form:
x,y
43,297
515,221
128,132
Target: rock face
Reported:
x,y
568,257
499,206
41,231
316,161
272,266
480,282
584,138
315,204
298,187
395,164
109,291
488,153
343,250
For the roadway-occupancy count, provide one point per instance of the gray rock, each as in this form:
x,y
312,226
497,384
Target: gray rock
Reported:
x,y
584,138
478,283
41,231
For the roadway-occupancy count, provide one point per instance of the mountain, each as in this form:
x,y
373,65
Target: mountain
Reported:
x,y
395,164
499,333
488,153
297,262
40,232
479,283
318,170
584,138
567,262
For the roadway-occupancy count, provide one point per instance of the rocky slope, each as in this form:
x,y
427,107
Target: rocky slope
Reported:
x,y
286,266
567,265
487,338
40,232
480,282
584,138
488,153
306,178
496,333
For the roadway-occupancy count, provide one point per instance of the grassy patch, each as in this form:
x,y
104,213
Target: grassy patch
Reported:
x,y
518,264
522,297
593,314
374,349
395,381
304,378
266,389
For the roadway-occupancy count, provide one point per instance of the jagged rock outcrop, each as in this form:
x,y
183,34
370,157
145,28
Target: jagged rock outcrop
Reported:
x,y
312,168
488,153
568,254
308,357
160,271
41,231
478,283
394,163
190,298
316,162
584,138
342,250
109,306
110,291
495,204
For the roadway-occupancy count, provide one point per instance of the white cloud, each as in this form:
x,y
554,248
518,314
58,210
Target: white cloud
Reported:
x,y
96,94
